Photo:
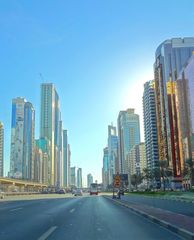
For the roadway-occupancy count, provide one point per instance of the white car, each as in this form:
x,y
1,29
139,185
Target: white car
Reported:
x,y
78,192
2,195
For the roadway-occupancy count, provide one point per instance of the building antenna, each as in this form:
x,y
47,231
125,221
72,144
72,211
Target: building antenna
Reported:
x,y
41,77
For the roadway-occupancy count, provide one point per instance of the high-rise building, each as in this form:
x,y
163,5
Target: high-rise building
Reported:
x,y
69,164
113,164
136,159
150,125
79,178
38,164
58,139
73,171
89,179
1,149
22,139
60,167
105,178
170,58
65,159
128,135
50,128
29,141
184,89
42,155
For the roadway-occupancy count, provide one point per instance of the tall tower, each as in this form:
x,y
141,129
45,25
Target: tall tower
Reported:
x,y
170,58
89,180
29,141
22,139
79,178
65,160
105,168
150,125
69,164
128,135
185,108
113,165
1,149
48,126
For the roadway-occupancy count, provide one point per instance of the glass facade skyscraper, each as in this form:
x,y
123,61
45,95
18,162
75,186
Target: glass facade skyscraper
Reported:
x,y
79,178
170,58
184,89
113,165
47,124
65,159
128,135
51,129
105,179
22,139
89,179
1,149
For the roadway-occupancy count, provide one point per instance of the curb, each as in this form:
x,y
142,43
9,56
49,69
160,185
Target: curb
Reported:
x,y
180,231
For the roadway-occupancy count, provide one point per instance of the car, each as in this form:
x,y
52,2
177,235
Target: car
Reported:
x,y
2,195
44,192
78,192
61,191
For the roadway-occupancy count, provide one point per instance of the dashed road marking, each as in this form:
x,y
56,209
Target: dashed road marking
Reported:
x,y
15,209
48,233
72,210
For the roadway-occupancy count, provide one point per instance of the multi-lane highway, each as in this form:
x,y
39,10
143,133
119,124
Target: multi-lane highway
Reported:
x,y
87,218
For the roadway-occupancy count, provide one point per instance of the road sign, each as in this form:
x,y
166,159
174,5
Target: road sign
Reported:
x,y
124,179
117,180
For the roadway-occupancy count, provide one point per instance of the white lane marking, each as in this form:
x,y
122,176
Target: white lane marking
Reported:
x,y
72,210
15,209
48,233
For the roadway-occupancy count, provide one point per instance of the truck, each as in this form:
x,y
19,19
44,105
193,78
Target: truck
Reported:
x,y
93,189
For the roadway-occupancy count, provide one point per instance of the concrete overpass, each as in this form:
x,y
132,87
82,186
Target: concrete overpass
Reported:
x,y
11,184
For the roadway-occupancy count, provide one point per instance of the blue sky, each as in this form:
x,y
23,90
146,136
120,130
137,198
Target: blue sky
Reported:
x,y
98,53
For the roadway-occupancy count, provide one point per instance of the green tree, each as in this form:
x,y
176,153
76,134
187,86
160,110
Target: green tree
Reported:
x,y
189,165
165,172
147,175
136,179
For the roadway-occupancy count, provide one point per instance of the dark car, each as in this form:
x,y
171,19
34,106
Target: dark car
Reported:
x,y
61,191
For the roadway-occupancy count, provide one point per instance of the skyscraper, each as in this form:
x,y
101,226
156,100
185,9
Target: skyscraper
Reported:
x,y
105,177
38,164
79,178
58,139
65,159
150,125
43,148
1,149
69,164
73,172
29,141
184,89
22,139
128,135
49,127
89,179
113,165
170,58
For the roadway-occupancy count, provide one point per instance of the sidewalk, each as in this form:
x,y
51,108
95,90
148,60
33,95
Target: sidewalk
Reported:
x,y
181,224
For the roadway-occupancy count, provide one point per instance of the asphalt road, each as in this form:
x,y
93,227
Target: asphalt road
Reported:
x,y
184,208
87,218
